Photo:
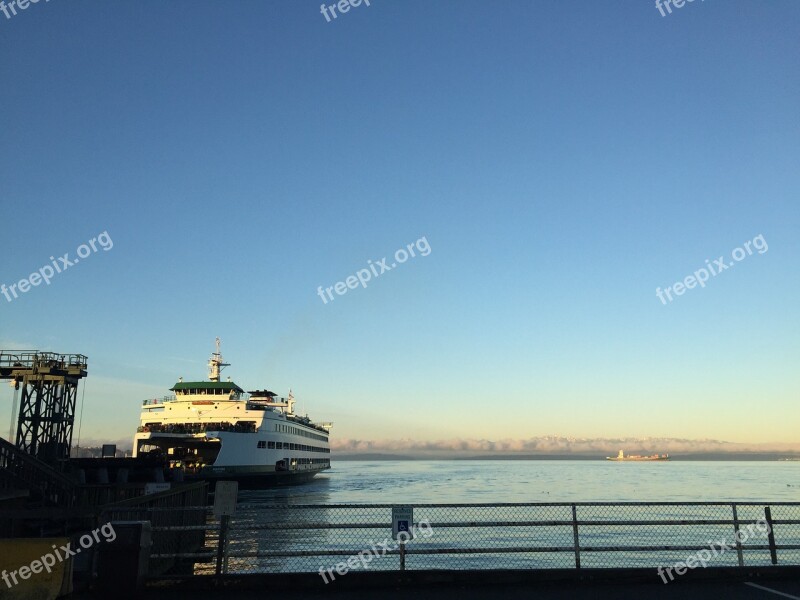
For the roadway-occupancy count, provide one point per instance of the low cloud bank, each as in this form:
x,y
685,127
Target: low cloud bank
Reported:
x,y
556,445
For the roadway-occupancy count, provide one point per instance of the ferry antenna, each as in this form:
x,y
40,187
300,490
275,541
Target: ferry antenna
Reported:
x,y
216,364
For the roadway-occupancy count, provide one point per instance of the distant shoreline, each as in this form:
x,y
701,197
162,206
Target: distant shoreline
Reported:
x,y
699,456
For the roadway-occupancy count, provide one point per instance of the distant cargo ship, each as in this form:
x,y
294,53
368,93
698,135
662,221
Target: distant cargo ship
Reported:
x,y
635,457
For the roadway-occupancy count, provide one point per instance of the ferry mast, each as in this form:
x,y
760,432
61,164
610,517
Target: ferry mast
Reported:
x,y
216,364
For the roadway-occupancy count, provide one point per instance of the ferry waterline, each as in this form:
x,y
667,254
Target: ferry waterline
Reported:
x,y
213,430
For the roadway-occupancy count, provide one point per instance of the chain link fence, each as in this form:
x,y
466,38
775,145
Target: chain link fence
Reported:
x,y
180,524
320,538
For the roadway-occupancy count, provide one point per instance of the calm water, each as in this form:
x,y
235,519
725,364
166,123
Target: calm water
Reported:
x,y
542,481
267,533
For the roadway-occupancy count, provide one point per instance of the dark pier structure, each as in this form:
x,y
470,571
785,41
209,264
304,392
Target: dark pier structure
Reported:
x,y
47,497
49,384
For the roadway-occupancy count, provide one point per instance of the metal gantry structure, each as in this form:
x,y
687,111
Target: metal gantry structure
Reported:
x,y
49,383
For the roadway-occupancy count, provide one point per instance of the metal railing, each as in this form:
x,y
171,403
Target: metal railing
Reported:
x,y
19,470
158,401
179,517
29,359
266,538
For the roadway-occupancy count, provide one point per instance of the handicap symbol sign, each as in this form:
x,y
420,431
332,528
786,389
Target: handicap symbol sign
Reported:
x,y
402,521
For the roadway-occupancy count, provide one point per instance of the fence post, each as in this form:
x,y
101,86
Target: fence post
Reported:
x,y
402,555
736,537
224,521
576,540
773,551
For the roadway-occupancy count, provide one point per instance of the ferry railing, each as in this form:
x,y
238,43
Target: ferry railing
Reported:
x,y
158,401
264,538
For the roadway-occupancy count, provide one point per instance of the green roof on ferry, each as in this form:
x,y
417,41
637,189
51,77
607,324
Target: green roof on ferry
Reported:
x,y
206,385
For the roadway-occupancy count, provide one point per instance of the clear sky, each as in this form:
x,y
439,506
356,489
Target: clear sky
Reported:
x,y
562,159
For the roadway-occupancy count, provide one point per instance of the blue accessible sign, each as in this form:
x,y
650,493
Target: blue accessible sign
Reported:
x,y
402,522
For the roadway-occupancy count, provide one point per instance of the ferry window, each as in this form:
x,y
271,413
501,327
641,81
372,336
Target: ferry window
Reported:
x,y
271,445
262,444
279,445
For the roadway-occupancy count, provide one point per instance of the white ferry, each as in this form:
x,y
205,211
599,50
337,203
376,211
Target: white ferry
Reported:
x,y
214,430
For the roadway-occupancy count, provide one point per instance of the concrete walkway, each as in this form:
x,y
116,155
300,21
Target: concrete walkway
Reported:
x,y
615,584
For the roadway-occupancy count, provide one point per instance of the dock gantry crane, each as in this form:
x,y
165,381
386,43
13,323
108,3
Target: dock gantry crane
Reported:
x,y
49,383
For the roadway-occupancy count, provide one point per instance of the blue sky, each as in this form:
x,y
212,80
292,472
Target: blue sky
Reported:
x,y
562,159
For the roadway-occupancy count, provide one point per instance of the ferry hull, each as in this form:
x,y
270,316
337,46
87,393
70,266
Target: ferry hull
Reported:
x,y
255,479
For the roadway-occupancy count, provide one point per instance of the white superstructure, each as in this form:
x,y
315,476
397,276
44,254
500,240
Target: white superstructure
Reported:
x,y
215,430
